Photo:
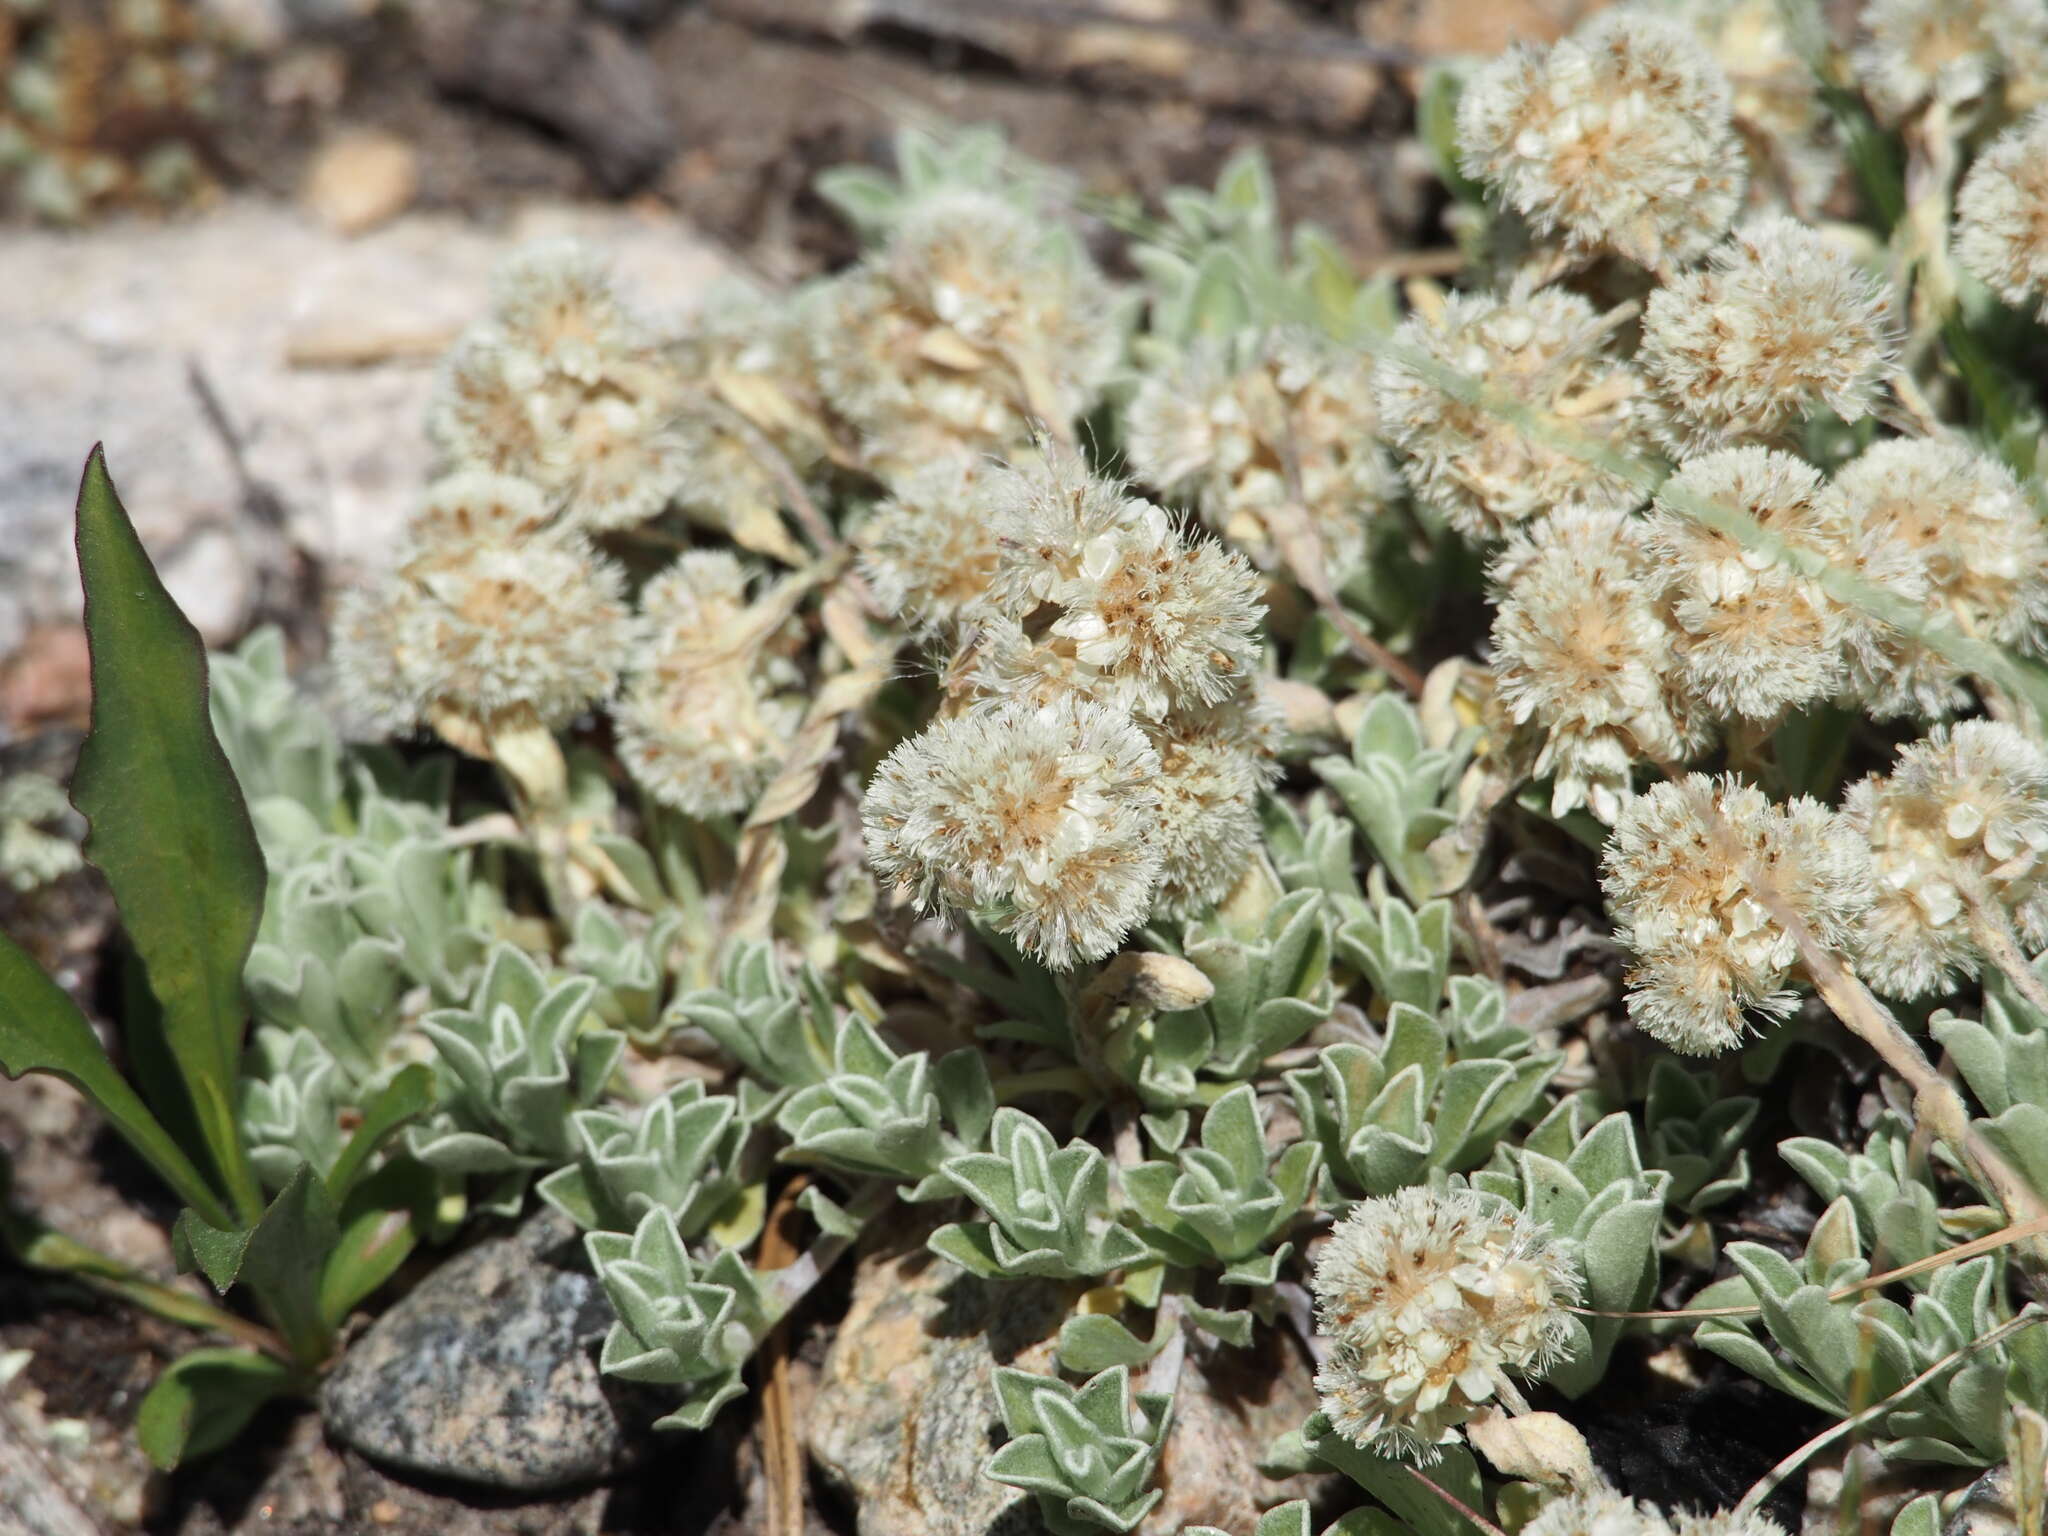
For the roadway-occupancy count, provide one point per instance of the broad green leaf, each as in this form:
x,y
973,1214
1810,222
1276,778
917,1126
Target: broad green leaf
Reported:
x,y
204,1399
280,1258
408,1094
1396,1486
379,1226
41,1030
1092,1342
168,826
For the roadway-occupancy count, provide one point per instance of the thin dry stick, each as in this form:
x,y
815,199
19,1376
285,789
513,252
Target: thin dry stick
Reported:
x,y
1456,1503
1765,1485
782,1456
1992,930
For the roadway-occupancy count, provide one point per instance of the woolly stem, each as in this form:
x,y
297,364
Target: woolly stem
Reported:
x,y
527,753
1993,931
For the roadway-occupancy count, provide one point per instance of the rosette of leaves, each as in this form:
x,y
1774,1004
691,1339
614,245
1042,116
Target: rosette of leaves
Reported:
x,y
1398,789
2004,1059
629,964
289,1104
1220,1205
1047,1208
1086,1453
1695,1133
1845,1353
513,1064
1404,953
785,1035
682,1325
1272,986
1887,1184
405,881
873,201
1438,1095
280,745
882,1115
686,1153
1604,1207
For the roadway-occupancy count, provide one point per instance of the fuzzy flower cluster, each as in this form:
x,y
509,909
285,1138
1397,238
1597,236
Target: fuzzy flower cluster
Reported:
x,y
2002,215
1262,427
1700,876
1113,664
1949,52
1618,138
1603,1512
1779,322
710,707
1957,834
929,552
970,323
1775,103
1948,526
1585,656
491,617
1428,1301
1545,352
566,387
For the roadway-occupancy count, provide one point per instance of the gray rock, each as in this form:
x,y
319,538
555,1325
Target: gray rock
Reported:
x,y
905,1411
488,1373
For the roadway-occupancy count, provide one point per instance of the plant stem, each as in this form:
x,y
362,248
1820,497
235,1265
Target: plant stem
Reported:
x,y
1993,931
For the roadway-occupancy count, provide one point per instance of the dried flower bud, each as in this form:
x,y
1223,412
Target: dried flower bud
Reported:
x,y
710,710
1961,821
509,626
2002,216
929,551
1616,138
1040,820
1679,875
1946,51
1583,656
1247,438
1428,1299
1546,350
1756,637
1976,553
1781,322
1099,593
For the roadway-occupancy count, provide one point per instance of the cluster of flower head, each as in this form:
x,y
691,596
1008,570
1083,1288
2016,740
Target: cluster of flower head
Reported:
x,y
1107,761
1604,1512
1427,1299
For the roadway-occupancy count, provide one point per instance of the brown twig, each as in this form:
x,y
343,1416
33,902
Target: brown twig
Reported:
x,y
1456,1503
782,1456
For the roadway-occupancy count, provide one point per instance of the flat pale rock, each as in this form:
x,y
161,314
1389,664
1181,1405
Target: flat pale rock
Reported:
x,y
905,1411
487,1373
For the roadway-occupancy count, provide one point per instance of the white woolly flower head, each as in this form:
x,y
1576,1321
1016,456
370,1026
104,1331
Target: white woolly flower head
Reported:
x,y
473,507
1038,819
969,324
1682,874
1946,51
1957,522
1248,432
1596,1512
1546,350
2002,215
554,299
711,708
1775,100
1725,1523
929,552
1100,592
1755,637
1583,657
1962,819
1782,321
1428,1299
1617,138
1214,762
476,637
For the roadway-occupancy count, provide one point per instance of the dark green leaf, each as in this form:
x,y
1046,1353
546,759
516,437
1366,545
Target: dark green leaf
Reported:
x,y
204,1399
168,826
380,1223
280,1258
408,1094
41,1030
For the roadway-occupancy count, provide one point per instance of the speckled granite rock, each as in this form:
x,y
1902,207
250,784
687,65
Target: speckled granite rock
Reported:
x,y
905,1411
488,1372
